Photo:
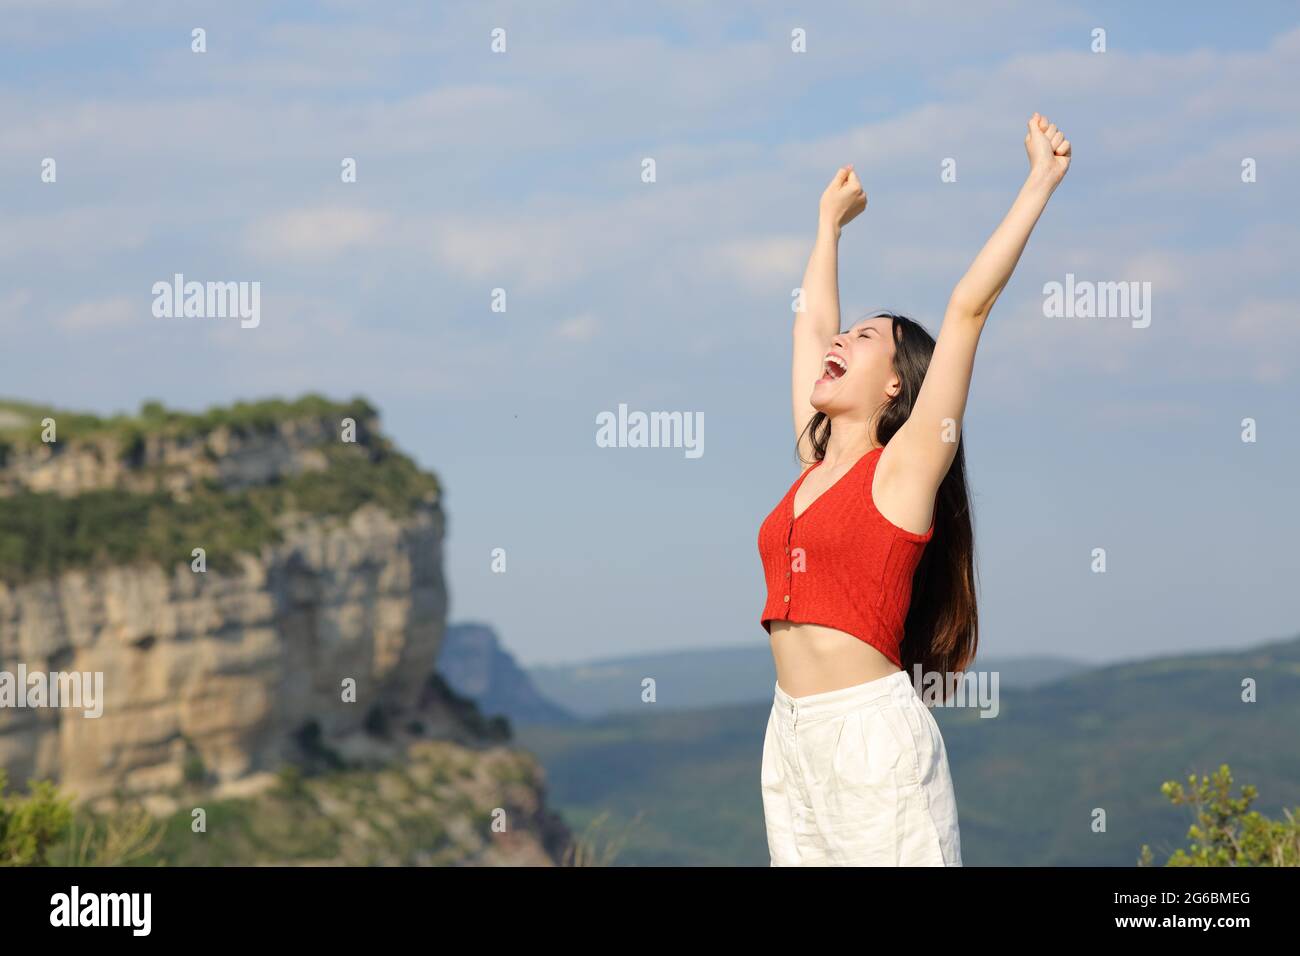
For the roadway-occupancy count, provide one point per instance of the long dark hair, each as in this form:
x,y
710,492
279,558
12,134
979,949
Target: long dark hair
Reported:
x,y
942,626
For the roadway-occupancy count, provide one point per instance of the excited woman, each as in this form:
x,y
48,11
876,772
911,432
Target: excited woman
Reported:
x,y
868,559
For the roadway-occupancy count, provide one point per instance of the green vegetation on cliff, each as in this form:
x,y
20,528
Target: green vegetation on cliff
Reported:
x,y
20,422
435,805
43,534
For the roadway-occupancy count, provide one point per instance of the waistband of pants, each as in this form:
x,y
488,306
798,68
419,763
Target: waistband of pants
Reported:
x,y
834,703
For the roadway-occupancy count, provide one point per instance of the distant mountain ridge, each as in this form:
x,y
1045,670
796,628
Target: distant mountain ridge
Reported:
x,y
715,677
683,784
475,664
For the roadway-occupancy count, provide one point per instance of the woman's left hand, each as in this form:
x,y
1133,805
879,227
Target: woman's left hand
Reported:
x,y
1048,149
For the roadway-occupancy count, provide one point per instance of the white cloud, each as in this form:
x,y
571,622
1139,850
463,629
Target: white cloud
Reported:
x,y
764,260
730,221
579,328
322,232
83,233
541,244
104,314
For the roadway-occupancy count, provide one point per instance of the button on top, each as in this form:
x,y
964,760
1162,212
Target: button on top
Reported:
x,y
787,599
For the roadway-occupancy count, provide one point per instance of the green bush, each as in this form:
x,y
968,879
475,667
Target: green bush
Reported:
x,y
376,721
193,770
42,829
1227,832
289,782
31,826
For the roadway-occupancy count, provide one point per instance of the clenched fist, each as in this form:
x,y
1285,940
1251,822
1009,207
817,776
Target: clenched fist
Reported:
x,y
1048,149
843,198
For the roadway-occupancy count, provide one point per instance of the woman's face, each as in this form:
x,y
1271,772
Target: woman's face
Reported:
x,y
858,371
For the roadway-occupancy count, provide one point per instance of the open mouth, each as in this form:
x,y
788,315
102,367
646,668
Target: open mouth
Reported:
x,y
833,367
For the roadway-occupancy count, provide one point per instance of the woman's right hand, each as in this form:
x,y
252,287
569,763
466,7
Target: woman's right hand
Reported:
x,y
843,198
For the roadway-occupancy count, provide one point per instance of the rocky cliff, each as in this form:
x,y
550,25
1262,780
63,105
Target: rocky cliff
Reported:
x,y
256,586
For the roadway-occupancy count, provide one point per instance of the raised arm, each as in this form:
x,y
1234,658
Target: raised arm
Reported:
x,y
925,446
819,321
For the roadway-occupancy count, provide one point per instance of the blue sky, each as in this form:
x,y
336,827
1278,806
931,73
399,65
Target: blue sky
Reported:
x,y
522,171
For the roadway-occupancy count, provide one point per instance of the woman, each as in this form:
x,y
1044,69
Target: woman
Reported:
x,y
868,557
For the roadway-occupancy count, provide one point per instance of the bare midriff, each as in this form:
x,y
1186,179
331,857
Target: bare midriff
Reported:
x,y
813,659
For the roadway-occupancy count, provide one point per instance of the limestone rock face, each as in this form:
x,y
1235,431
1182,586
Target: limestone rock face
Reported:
x,y
232,458
301,645
227,672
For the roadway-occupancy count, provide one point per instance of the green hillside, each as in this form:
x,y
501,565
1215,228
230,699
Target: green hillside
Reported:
x,y
1027,780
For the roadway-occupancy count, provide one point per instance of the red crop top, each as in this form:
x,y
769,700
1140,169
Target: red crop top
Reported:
x,y
841,563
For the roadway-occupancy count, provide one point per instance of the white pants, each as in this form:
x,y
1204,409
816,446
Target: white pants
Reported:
x,y
858,777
